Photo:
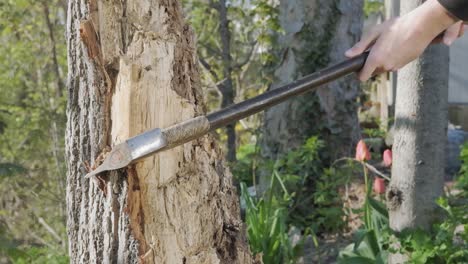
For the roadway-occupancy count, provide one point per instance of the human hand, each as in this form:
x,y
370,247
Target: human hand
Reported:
x,y
399,41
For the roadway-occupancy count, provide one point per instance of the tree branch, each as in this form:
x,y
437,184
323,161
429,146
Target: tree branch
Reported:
x,y
50,27
248,57
50,230
207,67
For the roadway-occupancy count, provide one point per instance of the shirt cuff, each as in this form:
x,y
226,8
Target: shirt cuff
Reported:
x,y
458,8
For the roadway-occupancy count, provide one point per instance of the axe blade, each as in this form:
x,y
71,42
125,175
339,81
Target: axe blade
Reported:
x,y
131,150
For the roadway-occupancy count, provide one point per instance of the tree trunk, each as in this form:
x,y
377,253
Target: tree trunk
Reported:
x,y
227,87
420,136
132,67
317,33
392,9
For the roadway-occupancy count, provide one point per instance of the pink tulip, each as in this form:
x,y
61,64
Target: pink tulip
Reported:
x,y
387,158
379,185
362,152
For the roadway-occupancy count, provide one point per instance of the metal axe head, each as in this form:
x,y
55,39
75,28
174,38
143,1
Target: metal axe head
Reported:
x,y
131,150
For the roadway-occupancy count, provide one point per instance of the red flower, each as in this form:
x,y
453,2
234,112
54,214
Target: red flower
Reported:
x,y
362,152
379,185
387,158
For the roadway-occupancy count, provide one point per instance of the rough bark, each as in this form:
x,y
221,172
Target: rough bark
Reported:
x,y
317,33
420,136
132,67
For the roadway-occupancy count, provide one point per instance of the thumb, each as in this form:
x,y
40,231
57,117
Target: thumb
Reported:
x,y
366,41
357,49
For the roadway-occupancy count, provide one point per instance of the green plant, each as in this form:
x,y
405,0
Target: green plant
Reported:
x,y
315,202
10,169
370,241
267,226
372,6
462,180
39,255
447,243
244,168
370,245
375,132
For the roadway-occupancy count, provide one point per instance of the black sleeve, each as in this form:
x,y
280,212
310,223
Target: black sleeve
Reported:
x,y
458,8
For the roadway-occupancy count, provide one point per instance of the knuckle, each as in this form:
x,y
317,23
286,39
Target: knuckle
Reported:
x,y
388,66
377,59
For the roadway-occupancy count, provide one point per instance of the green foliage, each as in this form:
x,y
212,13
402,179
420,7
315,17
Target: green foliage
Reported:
x,y
447,242
315,202
374,132
39,255
462,181
267,224
310,191
252,26
10,169
244,168
32,123
12,250
302,194
373,6
370,241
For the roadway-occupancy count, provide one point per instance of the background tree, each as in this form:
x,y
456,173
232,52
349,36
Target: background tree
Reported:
x,y
316,33
32,124
234,41
131,68
420,135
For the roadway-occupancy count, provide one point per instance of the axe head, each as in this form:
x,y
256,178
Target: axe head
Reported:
x,y
131,150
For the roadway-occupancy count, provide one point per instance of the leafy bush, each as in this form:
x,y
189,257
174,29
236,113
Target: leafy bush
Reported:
x,y
371,240
315,202
372,6
462,181
301,194
267,226
38,255
244,168
447,242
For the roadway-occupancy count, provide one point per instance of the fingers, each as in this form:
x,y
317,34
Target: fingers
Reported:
x,y
366,41
453,33
370,67
462,30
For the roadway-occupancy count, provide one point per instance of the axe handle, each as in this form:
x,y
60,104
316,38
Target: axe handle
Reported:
x,y
186,131
193,128
308,83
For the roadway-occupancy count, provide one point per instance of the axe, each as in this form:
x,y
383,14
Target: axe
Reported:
x,y
157,139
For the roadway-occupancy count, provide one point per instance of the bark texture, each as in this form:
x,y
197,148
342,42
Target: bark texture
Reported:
x,y
132,67
420,136
317,33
